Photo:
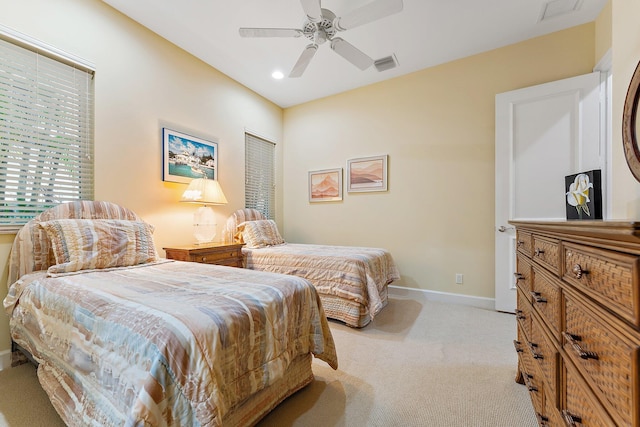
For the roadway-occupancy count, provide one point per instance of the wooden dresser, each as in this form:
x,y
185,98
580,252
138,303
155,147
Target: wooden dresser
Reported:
x,y
578,317
215,253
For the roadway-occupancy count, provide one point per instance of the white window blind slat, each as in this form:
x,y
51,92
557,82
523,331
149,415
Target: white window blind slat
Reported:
x,y
260,175
46,133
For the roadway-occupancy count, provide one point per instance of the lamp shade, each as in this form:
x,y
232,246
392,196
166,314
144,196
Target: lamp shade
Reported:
x,y
204,191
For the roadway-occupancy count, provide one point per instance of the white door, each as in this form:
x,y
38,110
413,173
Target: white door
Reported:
x,y
543,133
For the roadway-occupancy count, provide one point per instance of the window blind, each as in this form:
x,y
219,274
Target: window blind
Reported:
x,y
259,186
46,133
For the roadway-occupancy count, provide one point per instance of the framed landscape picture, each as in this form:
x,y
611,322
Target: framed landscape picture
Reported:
x,y
185,157
367,174
325,185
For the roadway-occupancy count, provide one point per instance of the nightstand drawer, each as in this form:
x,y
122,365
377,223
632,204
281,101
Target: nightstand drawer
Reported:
x,y
220,254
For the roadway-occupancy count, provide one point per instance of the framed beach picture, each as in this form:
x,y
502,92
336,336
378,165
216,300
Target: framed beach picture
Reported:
x,y
185,157
367,174
325,185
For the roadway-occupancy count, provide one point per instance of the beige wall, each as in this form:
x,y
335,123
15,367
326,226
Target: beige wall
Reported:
x,y
626,54
437,126
143,82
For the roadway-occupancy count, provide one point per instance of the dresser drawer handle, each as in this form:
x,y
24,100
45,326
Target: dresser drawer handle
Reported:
x,y
542,420
532,347
537,297
520,315
204,259
539,252
527,382
517,345
574,341
520,242
578,272
570,420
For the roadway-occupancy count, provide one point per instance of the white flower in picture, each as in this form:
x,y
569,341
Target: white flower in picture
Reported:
x,y
578,194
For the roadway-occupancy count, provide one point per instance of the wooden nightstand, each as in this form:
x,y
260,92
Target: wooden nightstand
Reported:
x,y
214,253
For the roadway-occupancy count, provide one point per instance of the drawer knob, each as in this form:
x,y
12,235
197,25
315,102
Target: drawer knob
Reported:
x,y
537,297
539,251
569,419
578,272
520,242
517,345
574,341
204,259
520,315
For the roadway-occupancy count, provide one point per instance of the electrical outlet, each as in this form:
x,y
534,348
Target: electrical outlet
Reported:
x,y
459,278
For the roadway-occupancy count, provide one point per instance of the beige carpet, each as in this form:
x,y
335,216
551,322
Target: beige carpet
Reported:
x,y
420,363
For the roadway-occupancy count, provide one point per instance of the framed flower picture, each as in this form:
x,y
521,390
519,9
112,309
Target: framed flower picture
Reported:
x,y
583,193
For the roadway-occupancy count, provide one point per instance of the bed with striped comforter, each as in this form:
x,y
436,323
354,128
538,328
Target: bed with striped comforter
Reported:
x,y
166,343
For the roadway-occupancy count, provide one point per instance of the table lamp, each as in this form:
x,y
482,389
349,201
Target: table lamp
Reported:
x,y
206,192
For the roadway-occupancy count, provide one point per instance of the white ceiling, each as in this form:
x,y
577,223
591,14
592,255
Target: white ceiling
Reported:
x,y
424,34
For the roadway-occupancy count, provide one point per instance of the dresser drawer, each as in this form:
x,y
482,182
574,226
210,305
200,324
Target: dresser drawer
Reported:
x,y
545,298
607,359
523,273
546,252
524,242
606,276
530,374
544,355
578,404
523,313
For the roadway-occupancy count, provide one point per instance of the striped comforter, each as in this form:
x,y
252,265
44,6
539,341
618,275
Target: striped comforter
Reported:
x,y
354,273
167,343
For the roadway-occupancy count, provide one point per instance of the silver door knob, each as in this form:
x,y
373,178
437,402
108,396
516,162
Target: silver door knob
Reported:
x,y
502,228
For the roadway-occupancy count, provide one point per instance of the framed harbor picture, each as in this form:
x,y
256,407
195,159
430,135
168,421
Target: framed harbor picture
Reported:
x,y
185,157
325,185
367,174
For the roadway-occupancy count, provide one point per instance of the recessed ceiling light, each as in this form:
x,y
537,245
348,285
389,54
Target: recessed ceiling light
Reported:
x,y
277,75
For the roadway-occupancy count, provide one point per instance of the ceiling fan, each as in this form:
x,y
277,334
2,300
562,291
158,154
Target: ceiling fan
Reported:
x,y
322,25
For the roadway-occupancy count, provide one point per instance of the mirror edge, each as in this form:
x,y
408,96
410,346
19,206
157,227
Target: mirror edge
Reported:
x,y
629,118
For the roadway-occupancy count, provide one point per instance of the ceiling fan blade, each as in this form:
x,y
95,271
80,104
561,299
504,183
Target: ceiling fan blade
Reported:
x,y
351,53
270,32
303,61
370,12
312,10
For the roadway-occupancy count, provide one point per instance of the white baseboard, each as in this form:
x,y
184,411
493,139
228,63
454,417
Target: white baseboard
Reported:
x,y
5,359
479,302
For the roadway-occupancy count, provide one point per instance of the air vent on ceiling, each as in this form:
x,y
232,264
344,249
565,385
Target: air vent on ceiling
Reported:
x,y
386,63
554,8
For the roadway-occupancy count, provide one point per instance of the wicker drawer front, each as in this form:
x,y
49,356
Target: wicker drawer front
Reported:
x,y
523,313
546,252
579,405
545,297
524,242
544,355
608,360
533,381
606,276
523,274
